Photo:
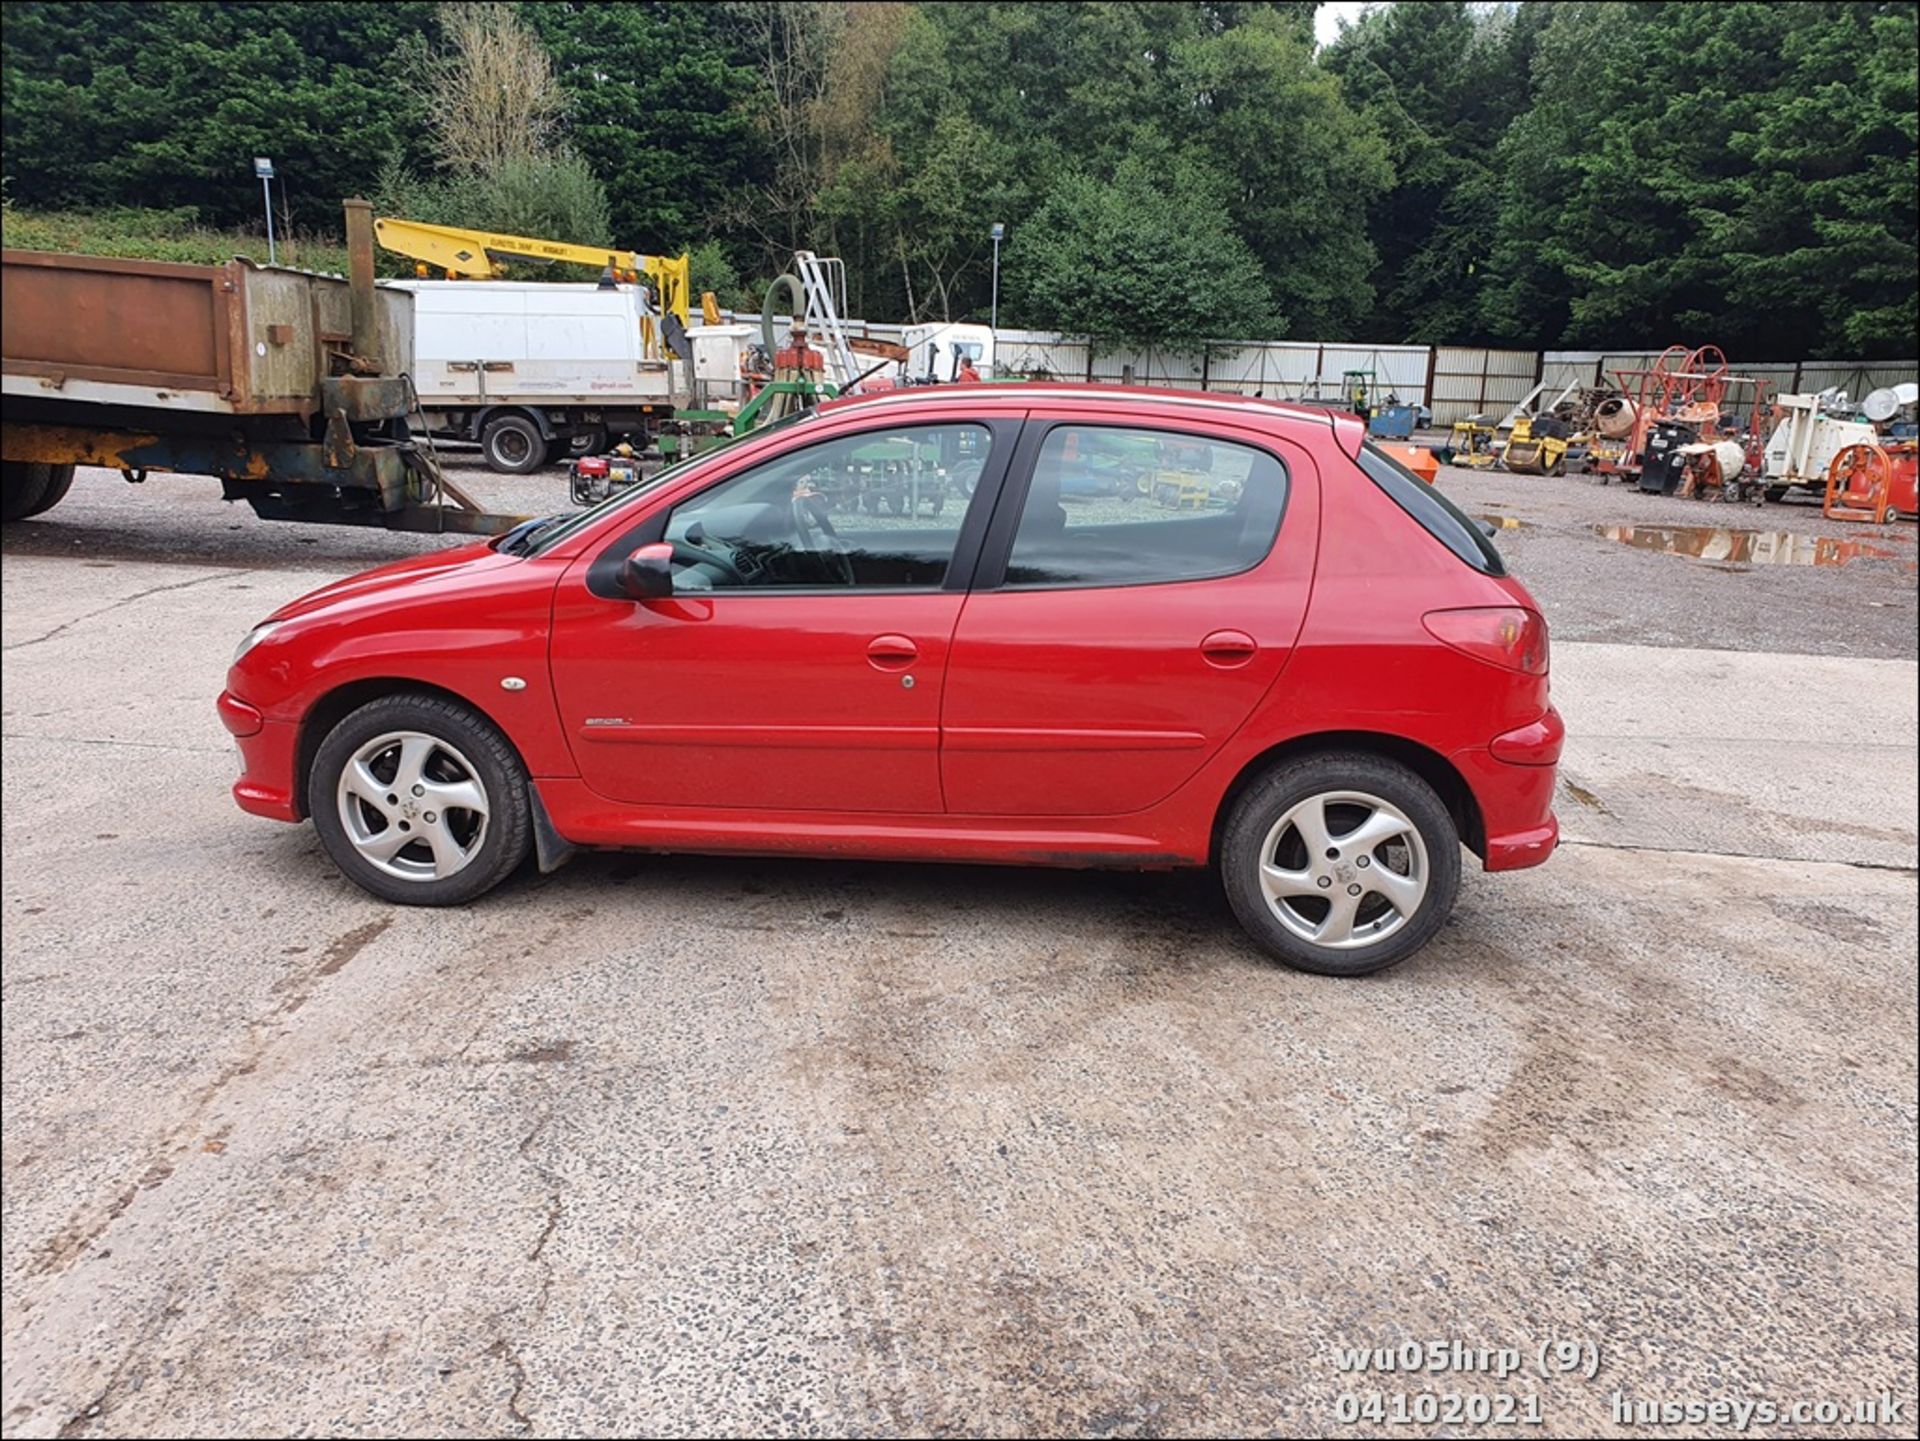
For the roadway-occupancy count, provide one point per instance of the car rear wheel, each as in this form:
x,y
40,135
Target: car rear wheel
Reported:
x,y
421,801
1340,863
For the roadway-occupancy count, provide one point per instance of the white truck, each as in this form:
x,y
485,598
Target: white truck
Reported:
x,y
534,372
935,351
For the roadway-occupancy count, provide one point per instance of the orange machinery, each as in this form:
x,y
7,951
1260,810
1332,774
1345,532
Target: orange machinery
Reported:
x,y
1874,483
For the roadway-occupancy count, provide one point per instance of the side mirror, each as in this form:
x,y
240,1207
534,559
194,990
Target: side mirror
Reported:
x,y
647,574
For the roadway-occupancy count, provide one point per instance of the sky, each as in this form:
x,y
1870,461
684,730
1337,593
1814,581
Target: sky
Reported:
x,y
1326,20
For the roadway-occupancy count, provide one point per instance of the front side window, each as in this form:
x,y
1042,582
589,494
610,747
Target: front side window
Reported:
x,y
878,510
554,529
1117,506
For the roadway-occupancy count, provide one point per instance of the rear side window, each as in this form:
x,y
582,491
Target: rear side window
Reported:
x,y
1440,517
1112,505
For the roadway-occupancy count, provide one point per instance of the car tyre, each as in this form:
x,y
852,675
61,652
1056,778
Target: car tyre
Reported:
x,y
422,747
1277,882
513,445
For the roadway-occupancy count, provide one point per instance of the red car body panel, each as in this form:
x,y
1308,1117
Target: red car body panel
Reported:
x,y
1105,700
1095,726
776,702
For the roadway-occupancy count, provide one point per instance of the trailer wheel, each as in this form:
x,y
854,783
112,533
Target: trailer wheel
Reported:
x,y
33,488
513,445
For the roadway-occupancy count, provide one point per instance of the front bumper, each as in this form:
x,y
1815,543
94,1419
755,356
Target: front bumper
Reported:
x,y
267,756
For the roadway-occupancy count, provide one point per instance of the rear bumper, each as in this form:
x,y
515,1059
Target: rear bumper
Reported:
x,y
1517,850
267,754
1515,799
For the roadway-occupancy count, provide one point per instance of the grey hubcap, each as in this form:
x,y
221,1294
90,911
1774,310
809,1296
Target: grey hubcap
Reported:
x,y
1344,870
413,806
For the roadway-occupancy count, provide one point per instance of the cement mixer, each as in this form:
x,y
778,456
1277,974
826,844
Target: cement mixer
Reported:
x,y
1612,436
1613,418
1712,465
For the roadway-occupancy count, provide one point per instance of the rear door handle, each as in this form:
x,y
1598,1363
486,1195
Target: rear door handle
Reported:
x,y
891,652
1228,648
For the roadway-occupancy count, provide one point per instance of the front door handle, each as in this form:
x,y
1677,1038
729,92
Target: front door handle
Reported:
x,y
1228,648
891,652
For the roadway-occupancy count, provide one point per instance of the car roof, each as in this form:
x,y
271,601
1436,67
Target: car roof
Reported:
x,y
1030,392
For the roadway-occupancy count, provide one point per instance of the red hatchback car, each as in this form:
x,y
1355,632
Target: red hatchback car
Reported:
x,y
1046,625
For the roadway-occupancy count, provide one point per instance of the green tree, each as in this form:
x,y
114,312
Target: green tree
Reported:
x,y
1149,258
166,104
1739,173
664,109
1299,167
1441,82
1531,170
495,113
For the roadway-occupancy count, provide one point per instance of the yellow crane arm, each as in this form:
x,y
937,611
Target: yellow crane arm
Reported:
x,y
479,255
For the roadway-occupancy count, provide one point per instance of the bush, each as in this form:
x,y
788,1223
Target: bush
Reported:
x,y
713,269
551,198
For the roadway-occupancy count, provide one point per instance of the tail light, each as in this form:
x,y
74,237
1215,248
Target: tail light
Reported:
x,y
1505,635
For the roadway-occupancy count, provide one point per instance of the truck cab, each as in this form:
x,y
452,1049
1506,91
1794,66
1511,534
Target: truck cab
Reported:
x,y
935,351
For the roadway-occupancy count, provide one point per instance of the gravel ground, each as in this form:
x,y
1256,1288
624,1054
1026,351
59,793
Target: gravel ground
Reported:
x,y
1594,587
1591,586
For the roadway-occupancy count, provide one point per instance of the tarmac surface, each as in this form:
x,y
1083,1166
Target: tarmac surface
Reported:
x,y
684,1146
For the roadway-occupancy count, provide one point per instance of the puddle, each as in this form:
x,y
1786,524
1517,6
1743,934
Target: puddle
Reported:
x,y
1744,547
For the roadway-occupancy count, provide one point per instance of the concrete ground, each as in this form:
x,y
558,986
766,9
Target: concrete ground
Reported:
x,y
689,1146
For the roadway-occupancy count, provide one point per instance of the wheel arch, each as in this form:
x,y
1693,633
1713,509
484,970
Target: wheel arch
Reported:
x,y
487,414
1432,767
344,699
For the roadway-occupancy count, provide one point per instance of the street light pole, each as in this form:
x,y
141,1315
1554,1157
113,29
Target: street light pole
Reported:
x,y
263,167
997,232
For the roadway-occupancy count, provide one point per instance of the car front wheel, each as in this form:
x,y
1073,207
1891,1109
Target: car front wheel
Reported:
x,y
1340,863
420,800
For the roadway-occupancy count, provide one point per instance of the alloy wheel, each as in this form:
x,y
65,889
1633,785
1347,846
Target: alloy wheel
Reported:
x,y
413,806
1344,870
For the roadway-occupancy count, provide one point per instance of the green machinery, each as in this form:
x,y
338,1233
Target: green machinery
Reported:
x,y
694,432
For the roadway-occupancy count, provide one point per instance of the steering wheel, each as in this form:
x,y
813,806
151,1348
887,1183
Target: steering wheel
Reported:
x,y
816,533
686,553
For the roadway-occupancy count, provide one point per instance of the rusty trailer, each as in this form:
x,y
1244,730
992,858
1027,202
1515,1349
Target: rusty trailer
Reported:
x,y
289,387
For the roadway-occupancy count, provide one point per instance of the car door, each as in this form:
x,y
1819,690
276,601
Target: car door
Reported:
x,y
798,665
1132,608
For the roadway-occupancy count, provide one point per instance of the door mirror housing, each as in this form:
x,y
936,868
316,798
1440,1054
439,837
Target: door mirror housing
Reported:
x,y
647,574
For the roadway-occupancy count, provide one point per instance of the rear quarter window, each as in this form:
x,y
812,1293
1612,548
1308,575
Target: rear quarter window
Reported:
x,y
1119,505
1438,516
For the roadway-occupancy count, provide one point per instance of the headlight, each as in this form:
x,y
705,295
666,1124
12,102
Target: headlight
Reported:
x,y
253,637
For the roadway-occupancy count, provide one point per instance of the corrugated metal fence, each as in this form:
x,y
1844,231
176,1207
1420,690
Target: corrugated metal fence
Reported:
x,y
1856,377
1455,381
1480,382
